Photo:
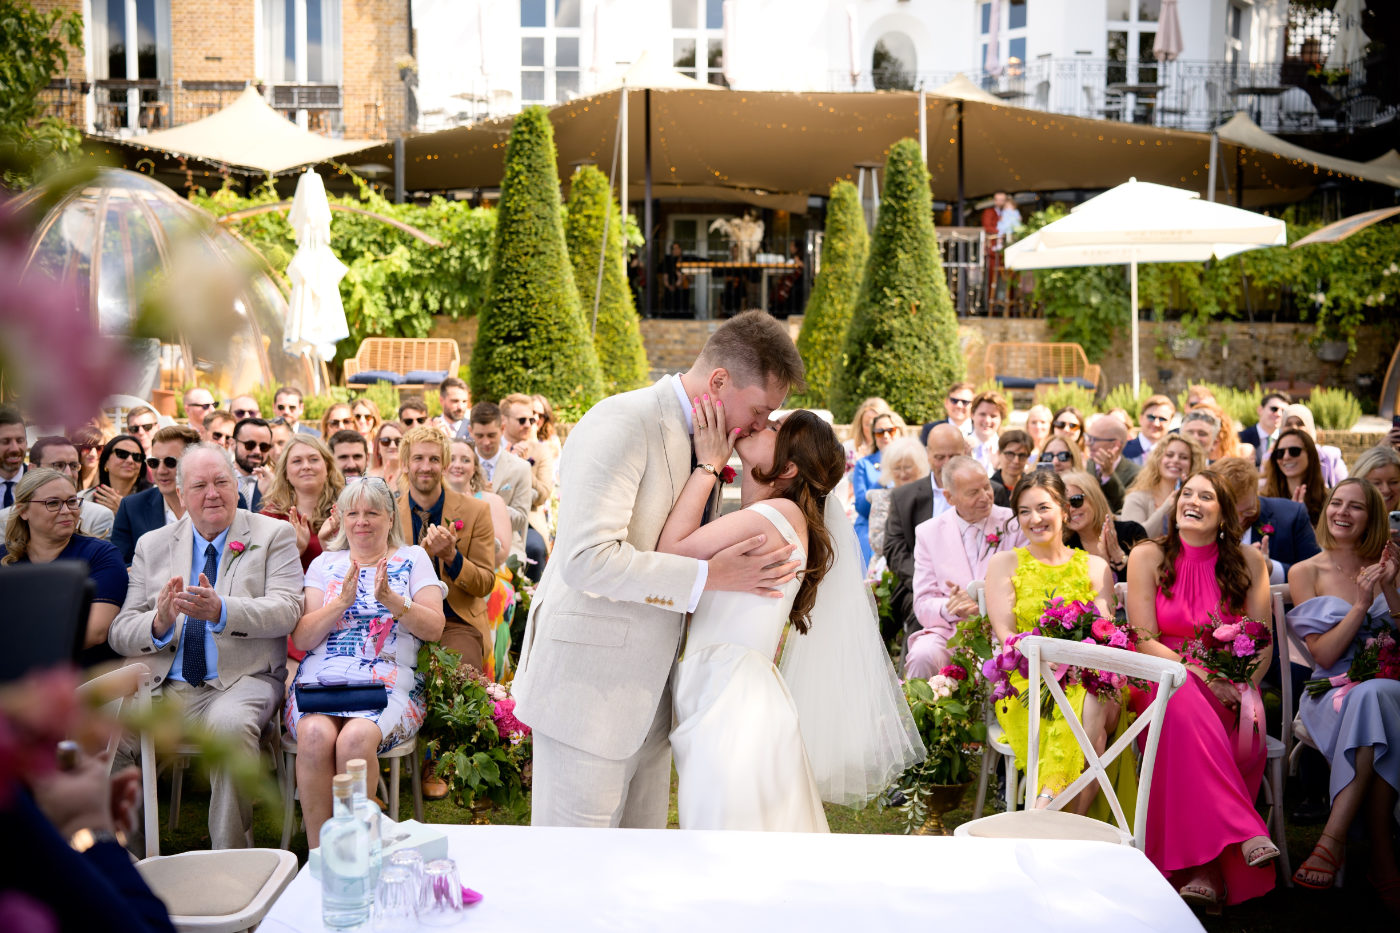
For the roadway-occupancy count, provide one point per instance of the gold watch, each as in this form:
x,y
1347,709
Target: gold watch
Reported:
x,y
86,838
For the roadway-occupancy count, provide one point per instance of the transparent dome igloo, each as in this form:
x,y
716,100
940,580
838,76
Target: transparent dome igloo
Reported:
x,y
120,233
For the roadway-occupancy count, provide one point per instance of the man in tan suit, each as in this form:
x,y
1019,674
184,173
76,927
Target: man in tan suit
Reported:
x,y
211,602
606,622
508,475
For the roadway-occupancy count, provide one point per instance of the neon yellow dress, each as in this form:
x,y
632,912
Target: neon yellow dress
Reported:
x,y
1061,761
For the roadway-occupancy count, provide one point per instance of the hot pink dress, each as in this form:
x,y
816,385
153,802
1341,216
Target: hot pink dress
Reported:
x,y
1203,789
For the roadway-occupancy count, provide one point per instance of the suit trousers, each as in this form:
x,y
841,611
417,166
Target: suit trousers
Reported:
x,y
465,639
237,714
572,787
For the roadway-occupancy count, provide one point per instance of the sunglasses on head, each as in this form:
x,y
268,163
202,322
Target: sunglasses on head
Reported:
x,y
415,421
1290,452
251,446
143,428
1064,456
1076,500
122,453
245,413
155,462
1065,426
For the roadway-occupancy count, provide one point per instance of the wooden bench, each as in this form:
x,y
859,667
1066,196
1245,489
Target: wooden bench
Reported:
x,y
405,362
1031,365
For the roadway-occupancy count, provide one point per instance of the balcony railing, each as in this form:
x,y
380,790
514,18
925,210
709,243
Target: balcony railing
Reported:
x,y
1288,97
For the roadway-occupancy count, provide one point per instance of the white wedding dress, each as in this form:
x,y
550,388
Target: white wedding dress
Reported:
x,y
738,741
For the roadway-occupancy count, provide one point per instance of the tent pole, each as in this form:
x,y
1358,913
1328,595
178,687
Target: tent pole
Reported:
x,y
1132,278
959,208
1210,174
646,204
625,126
398,171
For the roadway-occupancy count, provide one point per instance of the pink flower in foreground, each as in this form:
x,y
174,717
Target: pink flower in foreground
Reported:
x,y
1118,639
954,672
1226,633
1243,647
1103,629
236,547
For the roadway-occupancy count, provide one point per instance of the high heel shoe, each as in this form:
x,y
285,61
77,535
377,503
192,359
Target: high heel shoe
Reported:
x,y
1320,853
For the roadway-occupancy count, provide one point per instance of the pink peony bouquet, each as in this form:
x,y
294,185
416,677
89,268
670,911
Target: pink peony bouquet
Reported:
x,y
1232,650
1377,658
507,726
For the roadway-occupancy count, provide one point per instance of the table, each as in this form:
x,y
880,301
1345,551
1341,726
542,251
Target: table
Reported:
x,y
702,270
1258,92
550,879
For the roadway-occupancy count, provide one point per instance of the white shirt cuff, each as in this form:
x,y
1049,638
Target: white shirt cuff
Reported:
x,y
1276,574
698,589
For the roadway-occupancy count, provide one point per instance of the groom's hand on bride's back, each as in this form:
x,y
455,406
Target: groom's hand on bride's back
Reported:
x,y
751,566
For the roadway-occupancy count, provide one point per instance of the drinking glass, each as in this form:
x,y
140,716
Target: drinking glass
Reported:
x,y
396,901
441,901
411,861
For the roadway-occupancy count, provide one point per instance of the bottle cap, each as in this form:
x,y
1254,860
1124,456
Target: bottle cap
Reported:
x,y
356,767
340,785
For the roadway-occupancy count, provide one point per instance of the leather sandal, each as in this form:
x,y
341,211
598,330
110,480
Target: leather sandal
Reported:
x,y
1200,895
1261,853
1320,853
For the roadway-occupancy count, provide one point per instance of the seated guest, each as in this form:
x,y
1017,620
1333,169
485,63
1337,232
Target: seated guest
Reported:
x,y
1061,455
950,552
1227,441
244,406
517,436
1124,419
1203,428
89,442
989,410
56,452
1106,436
1260,435
1343,597
1277,528
366,415
1157,414
508,475
222,586
413,412
1203,832
957,405
121,472
1069,423
1149,499
1334,470
1380,466
384,459
338,417
198,402
1038,418
456,400
911,506
1198,395
252,452
218,429
904,461
862,441
305,486
13,444
371,599
1294,472
1013,455
866,477
464,477
351,452
282,432
1093,528
289,404
142,422
160,505
43,527
545,431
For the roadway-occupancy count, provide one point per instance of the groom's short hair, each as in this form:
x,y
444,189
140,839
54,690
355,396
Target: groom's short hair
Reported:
x,y
755,348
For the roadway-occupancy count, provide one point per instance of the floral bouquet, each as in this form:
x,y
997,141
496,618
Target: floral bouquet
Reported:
x,y
1379,657
1233,651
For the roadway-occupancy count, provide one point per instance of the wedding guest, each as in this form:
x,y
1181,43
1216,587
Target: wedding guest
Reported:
x,y
950,552
229,629
121,471
884,428
337,417
957,405
1060,455
351,452
43,527
1294,472
1343,597
508,475
366,414
142,422
464,476
1227,441
1203,832
904,461
1013,455
1038,419
518,422
89,442
1157,414
161,504
218,429
1149,499
1334,469
862,441
1380,466
1069,423
56,452
1106,437
1199,394
413,412
1277,528
198,402
281,433
252,450
289,405
1017,584
1093,528
244,406
456,400
1203,428
371,599
305,486
384,452
545,430
1261,434
989,410
1125,419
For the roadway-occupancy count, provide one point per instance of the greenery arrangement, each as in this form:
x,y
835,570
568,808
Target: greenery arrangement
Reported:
x,y
845,243
1065,395
531,335
617,337
1240,404
1122,396
902,343
1334,409
33,50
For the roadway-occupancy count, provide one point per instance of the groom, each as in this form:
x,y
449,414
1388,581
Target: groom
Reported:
x,y
606,622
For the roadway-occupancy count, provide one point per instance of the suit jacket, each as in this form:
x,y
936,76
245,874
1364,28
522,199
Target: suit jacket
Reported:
x,y
308,430
143,512
1133,451
261,589
910,506
1252,435
512,481
1293,539
940,558
607,617
476,542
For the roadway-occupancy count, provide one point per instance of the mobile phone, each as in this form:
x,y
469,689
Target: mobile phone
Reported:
x,y
1395,523
1395,421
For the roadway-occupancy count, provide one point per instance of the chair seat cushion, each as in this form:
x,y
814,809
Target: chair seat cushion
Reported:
x,y
1030,382
209,884
426,376
371,376
1043,824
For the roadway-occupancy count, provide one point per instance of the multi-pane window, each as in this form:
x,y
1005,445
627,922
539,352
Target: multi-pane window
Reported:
x,y
301,41
1010,56
1132,30
131,42
697,39
549,50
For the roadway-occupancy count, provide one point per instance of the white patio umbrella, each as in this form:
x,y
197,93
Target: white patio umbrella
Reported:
x,y
1142,222
992,63
315,315
1351,42
1167,45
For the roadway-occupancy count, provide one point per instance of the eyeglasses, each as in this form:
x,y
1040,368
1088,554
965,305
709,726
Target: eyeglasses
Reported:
x,y
1065,426
1015,456
389,441
1098,440
155,462
1156,419
524,421
122,453
960,402
340,422
1064,456
413,421
1289,452
1076,501
251,446
364,416
62,465
886,432
245,413
53,505
142,428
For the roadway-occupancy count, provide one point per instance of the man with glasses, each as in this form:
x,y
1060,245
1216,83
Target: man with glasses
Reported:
x,y
199,402
958,404
12,447
1264,433
159,505
456,401
289,405
413,413
252,445
1106,437
56,452
281,434
1157,414
244,406
351,452
142,422
508,475
518,421
218,429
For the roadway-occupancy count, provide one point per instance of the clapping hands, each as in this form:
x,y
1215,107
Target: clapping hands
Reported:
x,y
960,604
329,528
439,542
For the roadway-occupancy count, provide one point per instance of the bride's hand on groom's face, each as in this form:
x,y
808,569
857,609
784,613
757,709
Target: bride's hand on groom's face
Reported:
x,y
713,439
752,567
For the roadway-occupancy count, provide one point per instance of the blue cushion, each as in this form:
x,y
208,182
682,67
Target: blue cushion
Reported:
x,y
1015,382
427,376
1024,382
371,376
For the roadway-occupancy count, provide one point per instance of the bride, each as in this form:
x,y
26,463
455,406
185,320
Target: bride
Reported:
x,y
759,746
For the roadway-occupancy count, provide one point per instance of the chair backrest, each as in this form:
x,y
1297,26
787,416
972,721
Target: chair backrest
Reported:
x,y
128,689
60,594
1290,648
1120,593
1042,652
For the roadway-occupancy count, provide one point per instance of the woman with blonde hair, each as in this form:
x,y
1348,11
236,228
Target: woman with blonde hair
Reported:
x,y
464,475
384,452
1091,527
1380,466
904,461
305,484
1038,418
338,417
865,478
1149,498
862,442
1061,454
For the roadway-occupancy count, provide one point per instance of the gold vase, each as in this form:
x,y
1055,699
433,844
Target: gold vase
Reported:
x,y
941,799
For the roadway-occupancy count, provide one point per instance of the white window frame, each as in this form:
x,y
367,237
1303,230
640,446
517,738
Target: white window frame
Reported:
x,y
697,32
550,34
97,42
1135,29
1004,37
272,21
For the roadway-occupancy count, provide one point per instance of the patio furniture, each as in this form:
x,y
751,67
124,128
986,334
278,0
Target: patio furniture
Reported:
x,y
405,362
221,891
1031,365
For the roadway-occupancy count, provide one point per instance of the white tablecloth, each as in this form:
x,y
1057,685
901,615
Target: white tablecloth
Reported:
x,y
552,880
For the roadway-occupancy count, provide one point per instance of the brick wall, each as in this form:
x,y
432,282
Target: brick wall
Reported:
x,y
373,34
211,40
75,70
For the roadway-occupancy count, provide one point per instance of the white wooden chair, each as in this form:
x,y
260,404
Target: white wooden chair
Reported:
x,y
407,750
220,891
1053,822
130,686
996,743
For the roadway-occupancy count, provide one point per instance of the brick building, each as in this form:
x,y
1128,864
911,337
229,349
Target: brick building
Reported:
x,y
333,66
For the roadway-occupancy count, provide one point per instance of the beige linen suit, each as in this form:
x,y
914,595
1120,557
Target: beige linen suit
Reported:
x,y
261,589
607,618
512,481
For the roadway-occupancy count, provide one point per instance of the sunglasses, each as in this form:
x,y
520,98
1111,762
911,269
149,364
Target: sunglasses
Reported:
x,y
199,404
155,462
340,422
1289,452
1066,426
123,454
1157,419
1076,501
364,416
886,432
389,441
1015,455
287,407
1274,409
219,437
142,428
960,402
53,505
245,413
62,465
251,446
413,421
1064,456
525,421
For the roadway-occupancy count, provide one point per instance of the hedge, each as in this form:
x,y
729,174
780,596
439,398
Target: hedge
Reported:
x,y
845,243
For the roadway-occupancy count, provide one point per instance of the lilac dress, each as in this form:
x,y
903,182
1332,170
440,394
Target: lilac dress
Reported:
x,y
1370,713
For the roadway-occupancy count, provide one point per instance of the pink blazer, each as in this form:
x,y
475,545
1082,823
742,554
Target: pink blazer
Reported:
x,y
940,558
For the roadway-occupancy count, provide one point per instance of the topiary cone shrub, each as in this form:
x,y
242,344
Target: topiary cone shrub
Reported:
x,y
845,243
902,343
531,336
622,358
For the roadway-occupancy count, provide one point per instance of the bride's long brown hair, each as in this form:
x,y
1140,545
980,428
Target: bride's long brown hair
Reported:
x,y
809,443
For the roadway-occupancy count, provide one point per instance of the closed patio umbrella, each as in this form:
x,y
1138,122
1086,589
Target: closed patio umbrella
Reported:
x,y
1350,44
316,317
1167,45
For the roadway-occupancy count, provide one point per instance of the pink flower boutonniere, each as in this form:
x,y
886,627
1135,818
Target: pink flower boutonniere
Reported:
x,y
238,548
727,475
457,525
993,541
1264,528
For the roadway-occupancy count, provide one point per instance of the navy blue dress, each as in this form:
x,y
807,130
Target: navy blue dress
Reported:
x,y
107,571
